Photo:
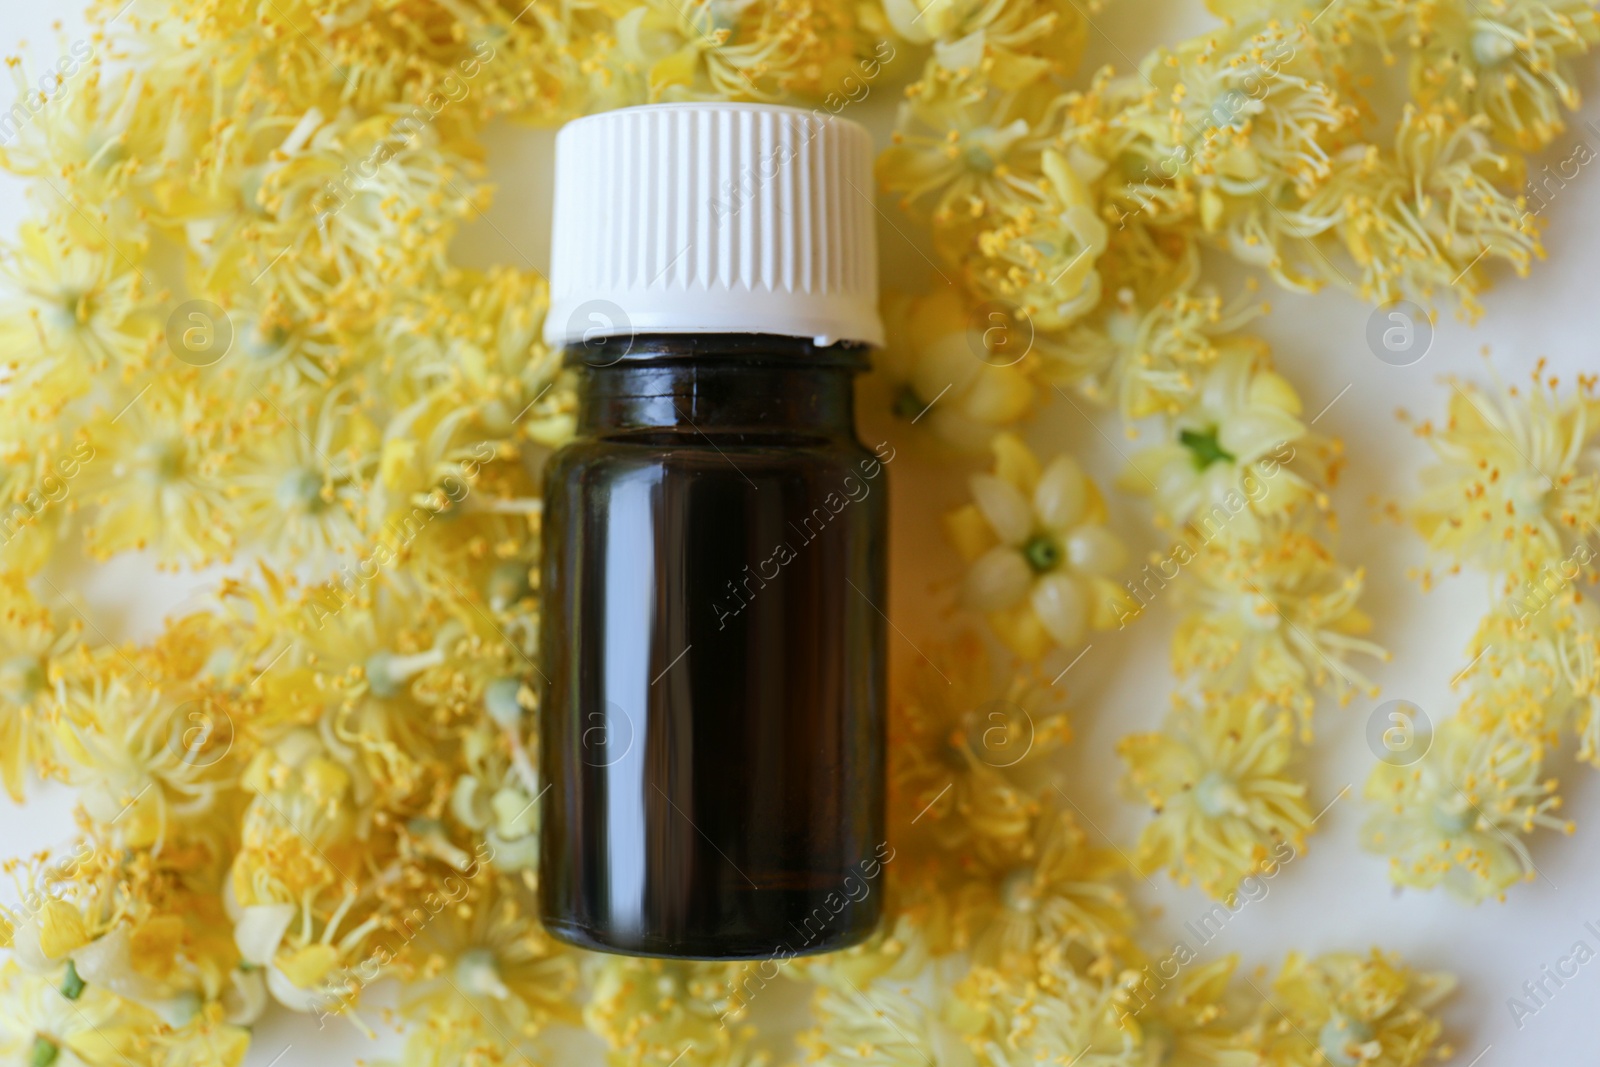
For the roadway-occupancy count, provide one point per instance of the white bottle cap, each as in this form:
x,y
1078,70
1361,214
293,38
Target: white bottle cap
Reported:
x,y
714,218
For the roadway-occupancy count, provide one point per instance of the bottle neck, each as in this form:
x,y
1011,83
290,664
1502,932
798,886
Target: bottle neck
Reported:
x,y
745,383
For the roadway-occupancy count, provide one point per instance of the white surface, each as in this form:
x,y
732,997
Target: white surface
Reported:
x,y
1337,897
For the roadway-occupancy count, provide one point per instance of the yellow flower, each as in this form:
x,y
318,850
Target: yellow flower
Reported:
x,y
494,795
1035,35
1059,893
1532,668
1352,1011
334,213
300,827
1454,817
37,646
960,742
967,148
485,947
96,148
953,369
296,907
1041,557
274,351
910,1014
443,503
299,481
158,478
650,1010
1223,129
1215,778
360,651
40,1025
479,340
1277,617
1057,1016
718,50
1511,62
1514,489
170,963
69,312
153,760
1039,254
1150,361
1226,466
1193,1020
1425,218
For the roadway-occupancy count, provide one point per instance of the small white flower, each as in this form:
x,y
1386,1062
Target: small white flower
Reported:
x,y
951,372
1226,460
1051,550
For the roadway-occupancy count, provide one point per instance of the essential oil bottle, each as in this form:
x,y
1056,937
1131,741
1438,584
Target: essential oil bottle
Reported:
x,y
714,557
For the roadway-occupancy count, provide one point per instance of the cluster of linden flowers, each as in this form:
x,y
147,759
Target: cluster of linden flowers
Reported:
x,y
1010,938
1068,227
1515,494
233,336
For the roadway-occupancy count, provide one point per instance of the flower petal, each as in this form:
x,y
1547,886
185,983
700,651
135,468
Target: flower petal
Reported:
x,y
1060,603
1271,389
260,929
997,580
945,368
1249,435
1015,462
1095,550
998,396
969,532
1006,509
1061,495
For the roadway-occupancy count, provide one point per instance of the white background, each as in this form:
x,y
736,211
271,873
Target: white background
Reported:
x,y
1334,898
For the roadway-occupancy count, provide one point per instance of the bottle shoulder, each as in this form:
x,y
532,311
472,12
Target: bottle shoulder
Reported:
x,y
778,443
746,456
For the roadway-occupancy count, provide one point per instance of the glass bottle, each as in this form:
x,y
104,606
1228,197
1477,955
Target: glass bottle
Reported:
x,y
712,725
714,573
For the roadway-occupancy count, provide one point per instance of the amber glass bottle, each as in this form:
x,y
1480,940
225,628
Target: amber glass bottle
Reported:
x,y
713,722
714,574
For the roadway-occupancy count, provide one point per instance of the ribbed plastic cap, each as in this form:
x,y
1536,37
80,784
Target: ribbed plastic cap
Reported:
x,y
713,218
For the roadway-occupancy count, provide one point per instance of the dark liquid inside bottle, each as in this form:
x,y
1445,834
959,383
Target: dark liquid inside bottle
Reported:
x,y
712,721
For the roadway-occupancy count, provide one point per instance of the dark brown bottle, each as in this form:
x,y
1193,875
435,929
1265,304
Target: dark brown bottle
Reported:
x,y
712,721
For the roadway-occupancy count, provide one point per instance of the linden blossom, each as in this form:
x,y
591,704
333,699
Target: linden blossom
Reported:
x,y
1552,580
338,992
51,87
1207,525
335,195
400,530
30,503
784,553
1158,976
